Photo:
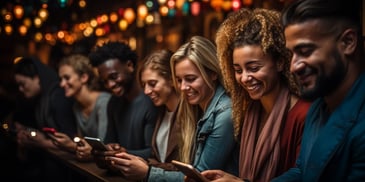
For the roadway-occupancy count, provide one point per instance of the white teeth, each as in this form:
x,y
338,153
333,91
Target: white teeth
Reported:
x,y
251,87
189,94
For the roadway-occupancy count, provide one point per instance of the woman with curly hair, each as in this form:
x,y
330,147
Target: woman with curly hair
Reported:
x,y
268,114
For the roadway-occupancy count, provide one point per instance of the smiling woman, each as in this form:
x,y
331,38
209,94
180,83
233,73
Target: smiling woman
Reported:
x,y
79,82
204,112
268,114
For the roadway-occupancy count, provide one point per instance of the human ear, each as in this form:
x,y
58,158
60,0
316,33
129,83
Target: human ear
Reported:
x,y
349,41
84,78
130,66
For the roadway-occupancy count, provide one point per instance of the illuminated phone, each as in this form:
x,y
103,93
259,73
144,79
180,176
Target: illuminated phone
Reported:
x,y
189,171
96,143
49,130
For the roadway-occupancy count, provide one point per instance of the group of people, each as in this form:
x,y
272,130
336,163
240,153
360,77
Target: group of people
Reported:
x,y
280,98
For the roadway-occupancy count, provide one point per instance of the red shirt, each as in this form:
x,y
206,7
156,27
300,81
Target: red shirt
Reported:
x,y
292,136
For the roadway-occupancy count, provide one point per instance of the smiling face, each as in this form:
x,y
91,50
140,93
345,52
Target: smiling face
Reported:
x,y
117,77
29,86
71,82
255,72
156,87
191,83
317,62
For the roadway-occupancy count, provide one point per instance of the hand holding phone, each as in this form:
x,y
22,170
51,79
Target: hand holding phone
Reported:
x,y
189,171
78,141
49,130
96,143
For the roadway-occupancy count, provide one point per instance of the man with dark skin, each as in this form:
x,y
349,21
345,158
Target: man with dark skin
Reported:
x,y
131,114
325,39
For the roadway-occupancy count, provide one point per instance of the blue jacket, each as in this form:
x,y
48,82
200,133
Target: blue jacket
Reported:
x,y
338,151
215,143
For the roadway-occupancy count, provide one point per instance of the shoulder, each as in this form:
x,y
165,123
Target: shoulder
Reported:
x,y
299,109
56,97
221,101
103,98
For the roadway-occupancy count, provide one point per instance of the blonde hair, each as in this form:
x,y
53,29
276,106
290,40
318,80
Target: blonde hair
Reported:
x,y
81,65
251,27
202,53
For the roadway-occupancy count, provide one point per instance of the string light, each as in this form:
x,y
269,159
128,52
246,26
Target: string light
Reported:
x,y
150,12
18,11
23,30
82,3
142,11
129,15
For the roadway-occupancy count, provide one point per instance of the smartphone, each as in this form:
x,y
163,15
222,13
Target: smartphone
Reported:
x,y
96,143
189,171
49,130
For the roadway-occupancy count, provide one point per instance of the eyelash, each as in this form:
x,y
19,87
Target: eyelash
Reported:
x,y
252,69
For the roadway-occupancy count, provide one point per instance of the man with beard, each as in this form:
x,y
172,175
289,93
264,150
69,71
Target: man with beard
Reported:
x,y
131,114
325,39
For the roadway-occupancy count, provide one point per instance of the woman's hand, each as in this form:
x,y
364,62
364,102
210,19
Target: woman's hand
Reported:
x,y
100,156
220,176
83,151
130,166
63,141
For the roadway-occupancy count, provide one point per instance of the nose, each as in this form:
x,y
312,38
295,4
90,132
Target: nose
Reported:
x,y
184,86
147,90
293,62
296,64
245,77
62,83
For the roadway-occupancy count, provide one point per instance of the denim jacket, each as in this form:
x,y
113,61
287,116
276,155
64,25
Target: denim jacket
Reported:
x,y
215,145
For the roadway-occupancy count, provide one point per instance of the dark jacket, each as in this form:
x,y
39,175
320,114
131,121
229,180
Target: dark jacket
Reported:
x,y
172,152
52,108
131,124
333,148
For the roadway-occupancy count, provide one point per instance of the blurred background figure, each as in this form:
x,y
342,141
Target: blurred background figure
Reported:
x,y
40,84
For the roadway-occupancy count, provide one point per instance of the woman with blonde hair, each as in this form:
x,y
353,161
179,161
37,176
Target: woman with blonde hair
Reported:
x,y
79,81
268,114
204,112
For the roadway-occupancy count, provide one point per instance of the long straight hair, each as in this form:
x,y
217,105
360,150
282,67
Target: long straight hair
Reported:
x,y
202,53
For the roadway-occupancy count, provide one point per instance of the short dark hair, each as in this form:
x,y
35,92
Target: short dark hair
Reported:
x,y
303,10
112,50
25,66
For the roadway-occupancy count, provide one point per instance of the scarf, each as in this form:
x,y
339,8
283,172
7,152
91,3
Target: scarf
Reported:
x,y
259,161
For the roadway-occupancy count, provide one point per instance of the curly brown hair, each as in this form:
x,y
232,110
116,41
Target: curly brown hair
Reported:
x,y
251,27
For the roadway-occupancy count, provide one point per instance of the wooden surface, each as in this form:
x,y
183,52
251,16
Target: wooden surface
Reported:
x,y
87,169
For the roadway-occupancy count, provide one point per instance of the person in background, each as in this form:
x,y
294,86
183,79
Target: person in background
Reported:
x,y
40,84
204,112
155,77
131,119
80,82
269,116
326,40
